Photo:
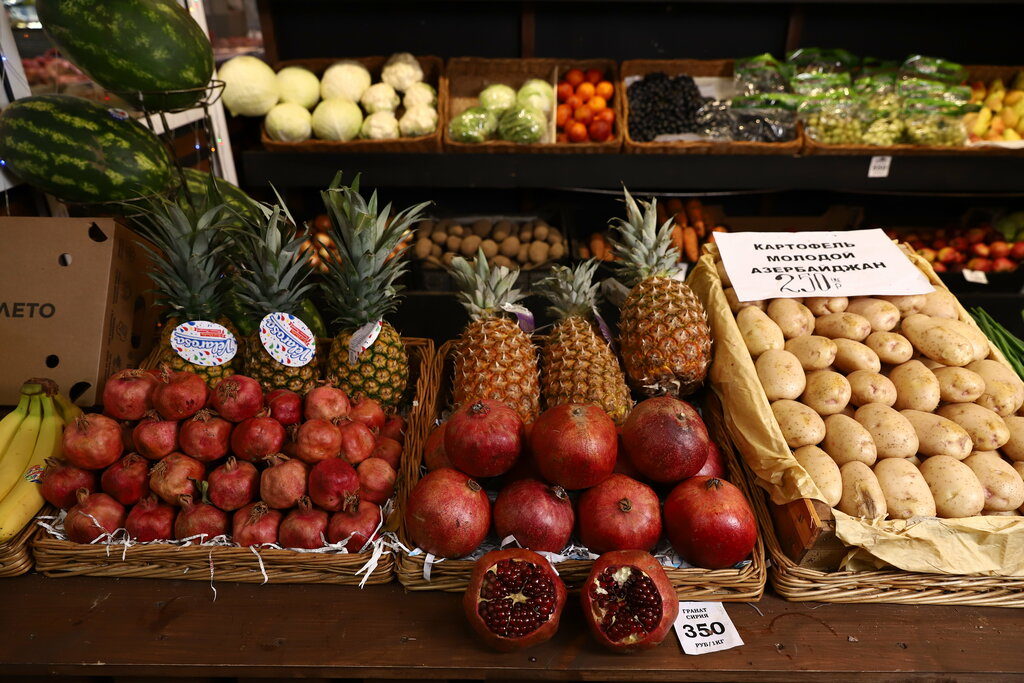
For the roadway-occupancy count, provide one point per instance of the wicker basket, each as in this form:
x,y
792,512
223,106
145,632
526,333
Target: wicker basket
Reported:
x,y
433,73
726,585
15,555
693,67
467,76
58,558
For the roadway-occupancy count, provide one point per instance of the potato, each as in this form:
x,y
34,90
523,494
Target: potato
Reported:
x,y
423,247
823,470
523,256
892,348
1004,390
557,251
936,341
780,374
847,440
906,304
503,262
490,248
988,431
481,227
870,387
941,304
906,492
760,332
800,425
438,236
792,317
509,247
892,433
469,246
541,230
938,435
955,488
1018,467
882,315
827,392
1004,488
846,325
538,252
722,274
958,385
929,363
977,338
852,356
1014,446
813,351
917,387
555,236
823,305
453,243
862,495
436,251
501,230
735,304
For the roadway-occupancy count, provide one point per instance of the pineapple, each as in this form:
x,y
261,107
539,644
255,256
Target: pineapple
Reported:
x,y
271,276
663,329
493,357
577,365
360,287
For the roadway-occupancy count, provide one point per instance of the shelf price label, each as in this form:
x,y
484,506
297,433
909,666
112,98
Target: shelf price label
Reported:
x,y
705,627
771,265
879,167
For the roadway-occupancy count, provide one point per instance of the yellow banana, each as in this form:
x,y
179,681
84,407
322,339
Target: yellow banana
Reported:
x,y
9,425
67,410
24,499
17,455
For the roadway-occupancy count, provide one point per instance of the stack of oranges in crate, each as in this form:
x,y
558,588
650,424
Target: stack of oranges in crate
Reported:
x,y
585,112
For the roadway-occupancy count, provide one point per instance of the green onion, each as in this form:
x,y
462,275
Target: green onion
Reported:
x,y
1011,346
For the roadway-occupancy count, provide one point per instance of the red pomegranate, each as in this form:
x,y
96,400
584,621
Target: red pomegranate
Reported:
x,y
95,515
93,441
620,513
359,523
205,436
176,475
575,445
434,456
284,405
61,480
317,440
326,403
388,450
255,524
665,439
710,523
199,522
283,483
394,428
233,484
514,599
150,520
714,466
303,527
256,437
127,480
367,411
154,437
128,394
333,484
179,395
376,480
484,438
357,441
629,603
447,513
127,441
540,516
237,398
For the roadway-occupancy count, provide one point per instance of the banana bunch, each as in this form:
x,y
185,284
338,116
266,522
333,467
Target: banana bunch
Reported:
x,y
29,435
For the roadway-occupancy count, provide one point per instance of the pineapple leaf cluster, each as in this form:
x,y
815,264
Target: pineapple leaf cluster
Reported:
x,y
571,291
644,249
484,289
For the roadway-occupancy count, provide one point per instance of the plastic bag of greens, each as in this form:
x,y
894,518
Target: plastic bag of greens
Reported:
x,y
934,122
832,120
821,60
760,74
523,124
933,68
714,120
882,126
813,84
924,89
497,97
872,66
764,118
475,124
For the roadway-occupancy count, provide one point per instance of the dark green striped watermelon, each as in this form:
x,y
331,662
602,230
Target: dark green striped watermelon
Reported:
x,y
199,186
82,152
128,46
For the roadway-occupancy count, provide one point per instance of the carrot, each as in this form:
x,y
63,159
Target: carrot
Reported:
x,y
677,237
598,246
690,249
584,253
661,213
695,215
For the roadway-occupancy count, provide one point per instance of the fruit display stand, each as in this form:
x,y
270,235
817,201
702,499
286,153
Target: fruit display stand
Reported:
x,y
15,554
60,558
742,584
800,534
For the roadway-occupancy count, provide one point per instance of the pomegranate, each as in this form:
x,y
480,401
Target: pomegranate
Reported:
x,y
150,520
317,440
538,515
388,450
369,412
61,480
665,439
237,398
93,516
255,524
128,394
514,599
394,428
710,523
127,440
714,466
334,484
326,403
256,437
233,484
176,475
199,522
620,513
205,436
303,527
285,406
447,513
359,523
575,445
93,441
357,441
179,395
376,480
484,438
283,483
629,603
434,456
127,480
154,437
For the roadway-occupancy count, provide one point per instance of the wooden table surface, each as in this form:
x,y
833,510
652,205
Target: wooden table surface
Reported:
x,y
131,628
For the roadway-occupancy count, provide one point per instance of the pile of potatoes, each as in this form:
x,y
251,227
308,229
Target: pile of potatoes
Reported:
x,y
524,244
890,403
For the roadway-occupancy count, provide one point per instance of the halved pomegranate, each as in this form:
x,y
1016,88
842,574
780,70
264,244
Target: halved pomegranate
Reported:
x,y
514,599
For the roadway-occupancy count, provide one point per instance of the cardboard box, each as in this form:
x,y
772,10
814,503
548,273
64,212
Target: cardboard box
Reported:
x,y
74,304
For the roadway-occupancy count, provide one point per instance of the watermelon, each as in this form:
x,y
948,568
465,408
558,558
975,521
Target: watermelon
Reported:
x,y
199,185
136,48
81,151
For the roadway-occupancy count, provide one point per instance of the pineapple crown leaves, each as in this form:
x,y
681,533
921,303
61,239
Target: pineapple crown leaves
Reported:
x,y
483,288
571,291
644,249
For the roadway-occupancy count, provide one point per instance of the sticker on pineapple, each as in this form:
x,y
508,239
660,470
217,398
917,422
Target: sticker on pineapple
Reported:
x,y
363,339
523,316
119,114
287,339
201,342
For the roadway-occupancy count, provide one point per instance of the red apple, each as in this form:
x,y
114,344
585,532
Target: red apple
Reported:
x,y
1017,251
999,249
978,263
939,267
959,243
1003,265
927,254
978,234
980,249
947,255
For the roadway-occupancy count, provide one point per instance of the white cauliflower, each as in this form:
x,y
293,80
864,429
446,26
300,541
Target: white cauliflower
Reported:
x,y
420,93
419,119
379,97
401,71
381,125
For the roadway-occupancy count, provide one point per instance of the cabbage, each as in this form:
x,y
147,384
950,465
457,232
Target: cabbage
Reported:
x,y
418,120
538,94
289,122
379,97
497,97
475,124
298,85
420,93
250,86
347,78
523,125
381,125
337,118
